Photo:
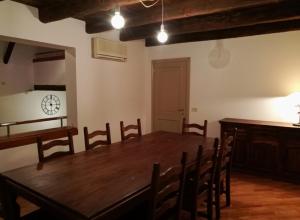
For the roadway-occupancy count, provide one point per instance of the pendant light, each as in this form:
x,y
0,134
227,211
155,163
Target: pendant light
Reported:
x,y
162,35
117,21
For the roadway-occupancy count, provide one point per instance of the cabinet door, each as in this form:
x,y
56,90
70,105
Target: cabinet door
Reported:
x,y
263,151
241,149
291,156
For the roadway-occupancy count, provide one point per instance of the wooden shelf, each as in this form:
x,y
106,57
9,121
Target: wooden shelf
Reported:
x,y
50,87
21,139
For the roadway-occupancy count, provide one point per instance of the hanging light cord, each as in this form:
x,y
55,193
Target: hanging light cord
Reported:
x,y
148,5
162,12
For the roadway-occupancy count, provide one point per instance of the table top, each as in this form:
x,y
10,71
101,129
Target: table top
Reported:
x,y
89,183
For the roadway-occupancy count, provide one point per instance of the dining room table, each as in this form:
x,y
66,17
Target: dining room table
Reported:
x,y
98,184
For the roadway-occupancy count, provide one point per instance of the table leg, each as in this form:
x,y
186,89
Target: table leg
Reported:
x,y
11,209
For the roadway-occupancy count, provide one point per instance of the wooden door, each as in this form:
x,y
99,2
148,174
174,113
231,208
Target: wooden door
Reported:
x,y
170,92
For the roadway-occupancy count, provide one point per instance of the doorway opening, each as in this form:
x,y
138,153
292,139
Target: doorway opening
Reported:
x,y
37,82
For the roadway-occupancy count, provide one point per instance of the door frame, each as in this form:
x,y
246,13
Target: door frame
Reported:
x,y
187,101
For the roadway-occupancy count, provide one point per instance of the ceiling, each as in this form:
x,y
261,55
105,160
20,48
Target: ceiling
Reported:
x,y
185,20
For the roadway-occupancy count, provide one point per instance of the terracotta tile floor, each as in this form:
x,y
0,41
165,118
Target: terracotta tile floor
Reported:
x,y
253,198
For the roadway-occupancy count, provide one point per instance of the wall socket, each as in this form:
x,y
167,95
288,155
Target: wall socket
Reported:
x,y
194,109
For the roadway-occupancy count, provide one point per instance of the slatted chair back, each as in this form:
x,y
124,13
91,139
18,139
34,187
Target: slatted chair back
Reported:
x,y
125,129
94,134
201,130
229,151
202,182
221,170
225,154
42,147
167,191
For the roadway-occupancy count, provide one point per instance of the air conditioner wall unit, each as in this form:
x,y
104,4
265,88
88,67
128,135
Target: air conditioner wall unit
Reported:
x,y
108,49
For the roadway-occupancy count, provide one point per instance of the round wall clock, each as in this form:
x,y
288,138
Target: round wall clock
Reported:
x,y
50,104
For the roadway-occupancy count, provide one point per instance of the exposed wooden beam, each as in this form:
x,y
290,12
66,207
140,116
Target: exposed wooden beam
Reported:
x,y
79,8
174,10
8,52
287,10
230,33
35,3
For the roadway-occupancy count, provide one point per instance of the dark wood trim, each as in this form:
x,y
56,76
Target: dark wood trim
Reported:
x,y
229,33
17,140
50,87
9,50
286,11
45,59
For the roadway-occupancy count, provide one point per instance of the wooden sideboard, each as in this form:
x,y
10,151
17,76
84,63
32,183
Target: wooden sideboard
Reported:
x,y
266,148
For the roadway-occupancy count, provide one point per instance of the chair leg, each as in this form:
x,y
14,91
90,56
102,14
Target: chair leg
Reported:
x,y
217,200
210,206
228,199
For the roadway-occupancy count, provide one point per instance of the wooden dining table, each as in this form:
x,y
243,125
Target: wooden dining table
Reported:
x,y
98,184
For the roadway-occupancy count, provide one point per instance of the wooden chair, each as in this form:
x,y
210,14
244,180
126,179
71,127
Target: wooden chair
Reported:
x,y
96,143
167,191
42,147
199,190
224,159
1,211
228,166
202,128
125,129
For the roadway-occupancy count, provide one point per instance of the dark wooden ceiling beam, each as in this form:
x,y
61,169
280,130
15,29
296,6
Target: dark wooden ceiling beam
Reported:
x,y
79,8
9,50
174,10
35,3
229,33
287,10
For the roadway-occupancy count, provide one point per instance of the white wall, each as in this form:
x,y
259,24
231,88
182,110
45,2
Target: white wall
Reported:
x,y
261,71
50,73
20,67
106,91
27,106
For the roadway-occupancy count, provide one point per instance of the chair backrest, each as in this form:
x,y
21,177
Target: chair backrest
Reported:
x,y
202,128
92,135
42,147
125,129
205,169
230,150
167,191
224,155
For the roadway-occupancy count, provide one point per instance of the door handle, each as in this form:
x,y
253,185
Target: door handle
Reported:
x,y
180,110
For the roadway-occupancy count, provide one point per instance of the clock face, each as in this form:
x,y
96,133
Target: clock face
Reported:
x,y
50,104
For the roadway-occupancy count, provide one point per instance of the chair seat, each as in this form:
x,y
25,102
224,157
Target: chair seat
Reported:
x,y
39,215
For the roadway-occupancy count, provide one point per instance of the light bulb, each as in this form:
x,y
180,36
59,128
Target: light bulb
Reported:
x,y
117,21
162,36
